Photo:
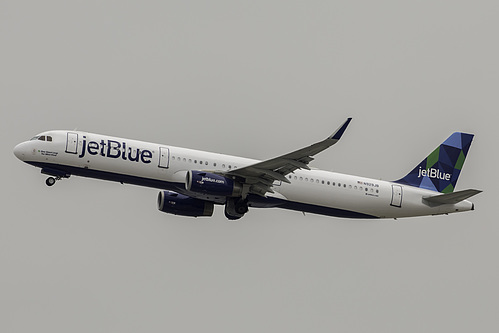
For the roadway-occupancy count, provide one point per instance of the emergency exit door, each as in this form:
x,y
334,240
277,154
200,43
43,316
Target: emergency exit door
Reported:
x,y
164,157
72,143
396,196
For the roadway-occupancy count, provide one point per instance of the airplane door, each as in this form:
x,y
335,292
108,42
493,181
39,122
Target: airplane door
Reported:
x,y
164,157
72,143
396,196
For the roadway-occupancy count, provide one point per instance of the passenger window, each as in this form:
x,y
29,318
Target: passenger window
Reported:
x,y
328,182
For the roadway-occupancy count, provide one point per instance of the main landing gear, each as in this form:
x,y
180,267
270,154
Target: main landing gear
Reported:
x,y
235,208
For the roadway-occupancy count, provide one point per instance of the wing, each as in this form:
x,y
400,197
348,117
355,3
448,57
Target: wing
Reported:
x,y
259,177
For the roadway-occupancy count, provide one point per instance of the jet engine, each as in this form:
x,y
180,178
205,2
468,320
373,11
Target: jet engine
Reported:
x,y
179,204
212,184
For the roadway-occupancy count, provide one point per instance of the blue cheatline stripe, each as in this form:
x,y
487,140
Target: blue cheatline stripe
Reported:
x,y
111,176
260,202
254,200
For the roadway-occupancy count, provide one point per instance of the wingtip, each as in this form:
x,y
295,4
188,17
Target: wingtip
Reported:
x,y
339,132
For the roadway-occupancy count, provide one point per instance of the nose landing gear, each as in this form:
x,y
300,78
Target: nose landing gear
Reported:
x,y
55,175
51,180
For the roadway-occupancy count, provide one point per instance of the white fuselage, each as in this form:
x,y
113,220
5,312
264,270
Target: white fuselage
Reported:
x,y
165,167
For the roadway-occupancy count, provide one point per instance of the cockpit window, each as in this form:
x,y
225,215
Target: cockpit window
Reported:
x,y
42,138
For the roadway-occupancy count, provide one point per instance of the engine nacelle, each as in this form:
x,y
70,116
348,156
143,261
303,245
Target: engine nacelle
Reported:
x,y
179,204
212,184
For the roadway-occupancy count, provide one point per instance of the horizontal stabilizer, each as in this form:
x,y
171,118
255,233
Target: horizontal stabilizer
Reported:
x,y
451,198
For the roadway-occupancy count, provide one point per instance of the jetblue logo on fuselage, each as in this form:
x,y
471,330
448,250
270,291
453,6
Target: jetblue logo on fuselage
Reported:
x,y
433,173
115,149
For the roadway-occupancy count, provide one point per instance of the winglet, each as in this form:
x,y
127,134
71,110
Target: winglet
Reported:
x,y
339,132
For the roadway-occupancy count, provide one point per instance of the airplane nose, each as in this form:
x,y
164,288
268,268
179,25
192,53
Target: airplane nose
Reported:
x,y
19,152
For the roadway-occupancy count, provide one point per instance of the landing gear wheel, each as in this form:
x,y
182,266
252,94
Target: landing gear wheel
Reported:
x,y
235,208
241,207
50,181
232,217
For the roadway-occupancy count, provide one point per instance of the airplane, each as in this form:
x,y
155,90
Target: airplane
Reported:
x,y
192,182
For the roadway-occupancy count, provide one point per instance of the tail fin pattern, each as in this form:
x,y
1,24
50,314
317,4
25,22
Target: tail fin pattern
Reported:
x,y
440,170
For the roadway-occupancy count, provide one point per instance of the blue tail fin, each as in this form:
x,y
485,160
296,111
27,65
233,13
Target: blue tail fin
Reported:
x,y
440,170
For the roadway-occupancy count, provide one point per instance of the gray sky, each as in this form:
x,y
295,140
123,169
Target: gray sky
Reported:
x,y
256,80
